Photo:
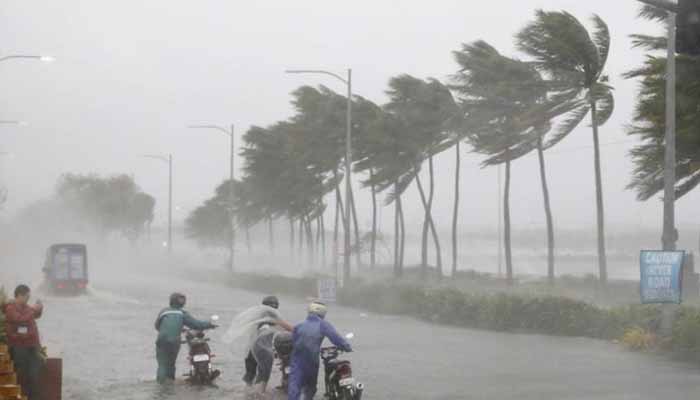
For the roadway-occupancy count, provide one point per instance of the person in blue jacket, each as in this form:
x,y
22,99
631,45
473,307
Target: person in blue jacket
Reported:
x,y
307,338
169,326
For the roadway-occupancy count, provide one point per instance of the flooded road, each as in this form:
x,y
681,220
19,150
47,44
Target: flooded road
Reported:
x,y
107,342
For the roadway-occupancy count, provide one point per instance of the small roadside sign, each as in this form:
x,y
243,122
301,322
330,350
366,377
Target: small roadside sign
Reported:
x,y
327,290
661,276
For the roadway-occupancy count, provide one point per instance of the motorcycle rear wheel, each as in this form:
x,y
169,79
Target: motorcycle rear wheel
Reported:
x,y
346,394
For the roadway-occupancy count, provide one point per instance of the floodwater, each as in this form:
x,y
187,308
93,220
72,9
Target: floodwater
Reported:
x,y
106,339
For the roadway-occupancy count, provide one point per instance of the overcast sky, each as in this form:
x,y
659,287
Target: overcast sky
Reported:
x,y
131,74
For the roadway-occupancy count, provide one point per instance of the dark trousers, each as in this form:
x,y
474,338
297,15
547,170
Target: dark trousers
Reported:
x,y
251,368
166,354
28,365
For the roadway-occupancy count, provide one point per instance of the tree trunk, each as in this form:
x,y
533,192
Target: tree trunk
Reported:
x,y
318,233
431,225
323,241
373,245
358,244
335,235
397,234
311,259
271,235
548,214
602,258
301,241
436,239
455,212
291,239
247,238
424,237
402,249
506,225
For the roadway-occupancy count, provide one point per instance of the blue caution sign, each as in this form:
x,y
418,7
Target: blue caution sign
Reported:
x,y
661,273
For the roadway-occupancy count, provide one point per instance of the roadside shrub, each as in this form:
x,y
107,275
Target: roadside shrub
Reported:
x,y
686,333
635,325
639,339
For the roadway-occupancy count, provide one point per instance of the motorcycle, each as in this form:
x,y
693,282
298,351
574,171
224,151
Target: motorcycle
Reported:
x,y
200,356
282,343
339,382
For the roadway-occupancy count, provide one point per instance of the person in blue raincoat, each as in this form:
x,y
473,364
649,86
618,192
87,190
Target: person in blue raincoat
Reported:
x,y
169,325
307,338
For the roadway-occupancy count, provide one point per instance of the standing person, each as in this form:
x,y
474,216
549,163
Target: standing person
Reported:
x,y
169,325
258,362
23,339
308,337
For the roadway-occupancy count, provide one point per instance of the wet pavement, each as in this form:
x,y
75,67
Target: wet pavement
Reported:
x,y
106,339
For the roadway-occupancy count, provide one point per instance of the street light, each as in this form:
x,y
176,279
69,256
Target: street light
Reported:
x,y
168,159
232,238
46,59
348,159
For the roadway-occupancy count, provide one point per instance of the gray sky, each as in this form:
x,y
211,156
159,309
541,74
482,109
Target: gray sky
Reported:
x,y
131,74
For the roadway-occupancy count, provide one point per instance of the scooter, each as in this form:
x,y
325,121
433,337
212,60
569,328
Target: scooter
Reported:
x,y
339,382
200,356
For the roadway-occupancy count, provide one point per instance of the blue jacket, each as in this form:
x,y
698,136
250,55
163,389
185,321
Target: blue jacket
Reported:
x,y
308,337
170,322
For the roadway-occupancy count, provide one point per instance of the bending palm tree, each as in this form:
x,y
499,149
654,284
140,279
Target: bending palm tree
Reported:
x,y
562,48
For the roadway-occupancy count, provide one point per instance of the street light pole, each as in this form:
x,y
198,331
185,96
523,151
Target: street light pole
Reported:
x,y
169,160
670,235
348,160
231,193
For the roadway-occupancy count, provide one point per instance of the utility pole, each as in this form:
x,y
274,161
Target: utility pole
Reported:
x,y
231,193
669,236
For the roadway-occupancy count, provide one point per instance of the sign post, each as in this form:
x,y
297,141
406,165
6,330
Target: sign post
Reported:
x,y
327,290
661,275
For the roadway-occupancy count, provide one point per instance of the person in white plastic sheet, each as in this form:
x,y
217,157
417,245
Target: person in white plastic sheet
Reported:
x,y
259,324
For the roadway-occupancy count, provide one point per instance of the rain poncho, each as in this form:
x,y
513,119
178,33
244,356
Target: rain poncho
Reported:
x,y
258,325
246,324
308,337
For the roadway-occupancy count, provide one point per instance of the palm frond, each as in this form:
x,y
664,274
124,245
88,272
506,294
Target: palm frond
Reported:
x,y
648,42
655,13
571,121
601,38
605,102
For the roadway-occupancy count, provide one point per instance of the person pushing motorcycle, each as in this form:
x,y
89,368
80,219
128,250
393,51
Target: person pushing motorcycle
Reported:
x,y
305,361
169,325
259,361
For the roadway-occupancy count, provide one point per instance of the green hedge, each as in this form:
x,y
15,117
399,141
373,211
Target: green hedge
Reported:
x,y
550,315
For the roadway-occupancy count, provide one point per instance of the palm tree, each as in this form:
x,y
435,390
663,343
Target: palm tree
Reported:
x,y
507,115
392,161
425,110
365,115
562,48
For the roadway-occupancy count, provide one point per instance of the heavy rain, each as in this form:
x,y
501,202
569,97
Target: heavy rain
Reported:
x,y
371,200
